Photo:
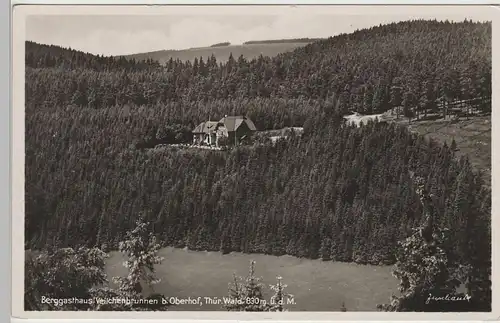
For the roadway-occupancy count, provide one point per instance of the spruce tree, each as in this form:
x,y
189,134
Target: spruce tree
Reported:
x,y
236,296
279,298
422,263
246,294
141,248
254,292
63,274
422,268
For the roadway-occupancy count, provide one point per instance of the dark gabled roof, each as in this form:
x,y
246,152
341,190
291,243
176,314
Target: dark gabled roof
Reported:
x,y
232,123
206,127
199,128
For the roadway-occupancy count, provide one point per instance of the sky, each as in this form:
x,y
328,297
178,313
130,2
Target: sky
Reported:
x,y
120,34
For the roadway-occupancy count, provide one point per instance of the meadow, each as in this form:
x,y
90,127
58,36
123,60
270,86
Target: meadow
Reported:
x,y
316,285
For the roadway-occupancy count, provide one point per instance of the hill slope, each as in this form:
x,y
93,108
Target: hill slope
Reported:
x,y
49,56
336,192
249,51
472,138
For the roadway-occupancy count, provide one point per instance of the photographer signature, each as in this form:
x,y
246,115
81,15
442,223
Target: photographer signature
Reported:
x,y
448,298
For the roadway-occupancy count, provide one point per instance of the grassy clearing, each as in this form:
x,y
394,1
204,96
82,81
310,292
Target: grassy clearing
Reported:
x,y
316,285
473,138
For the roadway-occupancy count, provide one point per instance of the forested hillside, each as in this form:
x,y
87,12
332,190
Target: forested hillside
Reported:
x,y
45,56
336,192
409,63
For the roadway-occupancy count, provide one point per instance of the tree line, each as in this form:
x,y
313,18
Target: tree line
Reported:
x,y
221,44
282,41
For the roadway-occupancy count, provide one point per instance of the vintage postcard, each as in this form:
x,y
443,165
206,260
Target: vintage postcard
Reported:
x,y
295,162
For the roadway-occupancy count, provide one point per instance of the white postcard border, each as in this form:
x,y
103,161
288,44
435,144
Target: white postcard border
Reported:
x,y
17,158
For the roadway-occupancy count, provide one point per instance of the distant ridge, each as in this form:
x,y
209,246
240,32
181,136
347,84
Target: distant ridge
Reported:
x,y
283,41
221,51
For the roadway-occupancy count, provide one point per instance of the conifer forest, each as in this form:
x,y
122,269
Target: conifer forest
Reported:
x,y
95,176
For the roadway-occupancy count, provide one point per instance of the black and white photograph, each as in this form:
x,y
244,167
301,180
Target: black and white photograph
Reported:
x,y
258,159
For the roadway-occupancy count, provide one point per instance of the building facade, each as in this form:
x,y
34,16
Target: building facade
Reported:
x,y
233,129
